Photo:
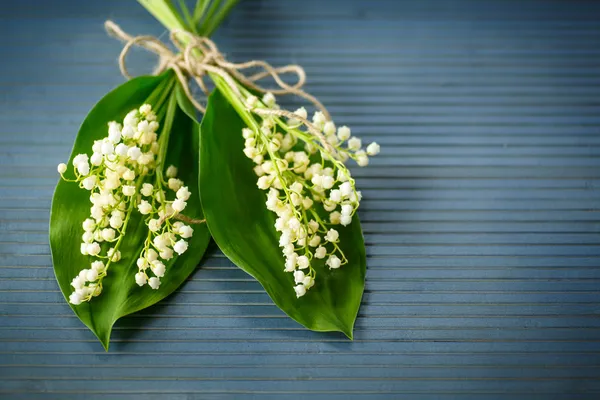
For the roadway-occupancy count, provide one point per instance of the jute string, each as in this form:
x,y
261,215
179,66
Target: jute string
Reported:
x,y
199,55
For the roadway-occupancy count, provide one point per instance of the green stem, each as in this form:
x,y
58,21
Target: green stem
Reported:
x,y
163,142
199,10
165,12
124,227
212,23
160,94
212,9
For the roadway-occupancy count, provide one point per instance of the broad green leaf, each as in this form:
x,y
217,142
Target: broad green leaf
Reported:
x,y
121,295
244,230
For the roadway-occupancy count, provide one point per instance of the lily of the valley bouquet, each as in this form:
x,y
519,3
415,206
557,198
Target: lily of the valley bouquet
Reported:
x,y
147,185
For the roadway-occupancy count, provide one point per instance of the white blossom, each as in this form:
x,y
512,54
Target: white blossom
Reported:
x,y
89,183
329,128
116,221
186,231
179,205
315,241
308,282
93,249
361,158
75,298
154,282
98,266
334,262
154,225
134,153
300,290
96,159
319,119
301,185
107,148
89,225
301,112
108,234
343,133
180,247
83,168
303,262
269,99
141,278
174,184
298,276
251,101
354,143
87,237
121,162
147,189
91,275
114,132
166,253
78,282
347,209
332,236
183,193
121,150
158,268
346,189
80,159
128,190
144,207
128,175
373,149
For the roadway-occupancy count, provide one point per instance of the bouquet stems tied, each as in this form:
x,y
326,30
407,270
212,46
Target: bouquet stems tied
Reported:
x,y
141,152
301,163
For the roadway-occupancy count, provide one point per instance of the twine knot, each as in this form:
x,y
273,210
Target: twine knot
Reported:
x,y
199,56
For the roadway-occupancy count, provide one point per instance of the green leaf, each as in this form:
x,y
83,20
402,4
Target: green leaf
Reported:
x,y
121,295
244,229
186,105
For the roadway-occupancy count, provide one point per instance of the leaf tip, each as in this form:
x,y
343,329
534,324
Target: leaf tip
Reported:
x,y
104,337
349,332
105,340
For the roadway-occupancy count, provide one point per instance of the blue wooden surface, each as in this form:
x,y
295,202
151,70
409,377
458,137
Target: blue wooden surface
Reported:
x,y
481,215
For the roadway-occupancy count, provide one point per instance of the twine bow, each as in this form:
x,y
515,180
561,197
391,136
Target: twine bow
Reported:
x,y
200,55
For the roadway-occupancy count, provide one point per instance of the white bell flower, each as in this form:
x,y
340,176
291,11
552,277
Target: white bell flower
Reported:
x,y
354,143
373,149
180,247
333,262
179,205
154,283
343,133
332,236
141,278
183,193
300,290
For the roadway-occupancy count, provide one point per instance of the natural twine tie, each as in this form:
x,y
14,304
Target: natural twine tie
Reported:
x,y
201,56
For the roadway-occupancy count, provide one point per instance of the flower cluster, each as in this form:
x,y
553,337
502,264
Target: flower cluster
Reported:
x,y
123,174
162,240
301,165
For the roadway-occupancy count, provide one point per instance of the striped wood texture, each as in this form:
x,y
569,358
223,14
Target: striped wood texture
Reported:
x,y
480,215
